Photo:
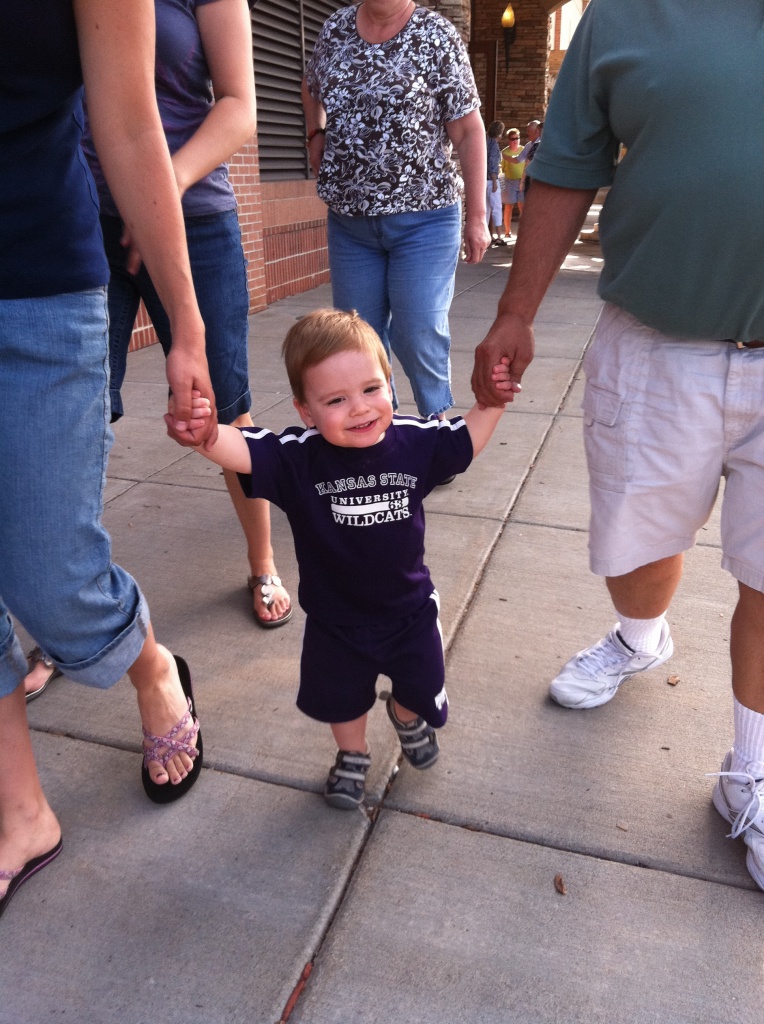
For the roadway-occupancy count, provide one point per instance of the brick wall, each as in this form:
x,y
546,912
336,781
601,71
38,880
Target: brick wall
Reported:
x,y
521,92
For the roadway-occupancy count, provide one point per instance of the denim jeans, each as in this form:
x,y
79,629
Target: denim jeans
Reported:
x,y
398,272
56,573
219,271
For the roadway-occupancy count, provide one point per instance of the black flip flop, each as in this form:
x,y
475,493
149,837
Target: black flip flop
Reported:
x,y
166,793
30,868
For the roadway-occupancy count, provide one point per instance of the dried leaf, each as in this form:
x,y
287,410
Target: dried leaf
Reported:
x,y
559,884
673,680
623,828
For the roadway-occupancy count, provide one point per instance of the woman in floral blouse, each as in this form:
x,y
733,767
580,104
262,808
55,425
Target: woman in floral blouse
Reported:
x,y
388,94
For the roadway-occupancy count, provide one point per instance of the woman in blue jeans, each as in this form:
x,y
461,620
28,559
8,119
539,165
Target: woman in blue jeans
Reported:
x,y
206,94
56,573
387,94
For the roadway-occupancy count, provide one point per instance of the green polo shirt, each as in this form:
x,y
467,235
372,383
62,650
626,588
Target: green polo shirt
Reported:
x,y
679,82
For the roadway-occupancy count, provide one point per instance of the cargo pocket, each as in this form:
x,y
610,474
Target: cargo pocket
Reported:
x,y
604,437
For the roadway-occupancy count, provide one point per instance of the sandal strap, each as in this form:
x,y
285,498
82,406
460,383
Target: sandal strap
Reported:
x,y
38,654
266,580
268,583
187,725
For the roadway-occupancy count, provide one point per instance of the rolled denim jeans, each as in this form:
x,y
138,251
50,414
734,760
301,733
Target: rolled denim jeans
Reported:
x,y
56,573
398,271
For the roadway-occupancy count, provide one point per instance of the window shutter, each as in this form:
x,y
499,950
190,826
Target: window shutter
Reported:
x,y
284,34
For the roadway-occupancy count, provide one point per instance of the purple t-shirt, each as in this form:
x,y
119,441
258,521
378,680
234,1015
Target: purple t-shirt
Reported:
x,y
184,97
356,513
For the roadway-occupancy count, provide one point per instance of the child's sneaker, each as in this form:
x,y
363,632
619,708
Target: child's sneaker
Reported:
x,y
347,780
739,798
419,742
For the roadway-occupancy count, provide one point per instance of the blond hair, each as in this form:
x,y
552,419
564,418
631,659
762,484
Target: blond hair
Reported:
x,y
324,333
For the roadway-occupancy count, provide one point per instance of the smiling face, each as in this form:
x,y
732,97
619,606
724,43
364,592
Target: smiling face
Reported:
x,y
347,399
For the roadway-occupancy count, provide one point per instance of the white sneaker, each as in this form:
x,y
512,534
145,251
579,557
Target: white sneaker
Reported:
x,y
739,798
592,676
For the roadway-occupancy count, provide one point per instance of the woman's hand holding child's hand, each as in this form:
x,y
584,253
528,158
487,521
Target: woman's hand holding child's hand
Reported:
x,y
201,410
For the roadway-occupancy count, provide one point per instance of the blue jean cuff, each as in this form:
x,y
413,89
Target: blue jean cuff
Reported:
x,y
13,667
110,664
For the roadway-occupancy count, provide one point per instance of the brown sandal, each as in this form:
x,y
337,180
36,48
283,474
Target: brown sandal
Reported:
x,y
267,584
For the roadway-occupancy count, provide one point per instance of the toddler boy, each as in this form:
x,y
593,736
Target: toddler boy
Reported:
x,y
352,482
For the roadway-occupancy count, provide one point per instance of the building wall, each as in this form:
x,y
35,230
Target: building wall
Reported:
x,y
521,91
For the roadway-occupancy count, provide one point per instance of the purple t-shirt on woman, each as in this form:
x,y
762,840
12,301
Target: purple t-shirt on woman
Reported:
x,y
184,97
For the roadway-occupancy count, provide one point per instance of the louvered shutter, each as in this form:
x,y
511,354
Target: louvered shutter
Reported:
x,y
284,34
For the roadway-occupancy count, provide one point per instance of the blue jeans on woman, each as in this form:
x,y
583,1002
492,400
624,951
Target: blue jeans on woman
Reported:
x,y
219,271
398,272
56,573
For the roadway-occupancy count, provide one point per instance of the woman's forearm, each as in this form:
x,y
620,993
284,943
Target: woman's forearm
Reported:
x,y
226,37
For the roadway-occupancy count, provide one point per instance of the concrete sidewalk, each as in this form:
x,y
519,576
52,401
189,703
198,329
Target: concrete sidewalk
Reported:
x,y
437,905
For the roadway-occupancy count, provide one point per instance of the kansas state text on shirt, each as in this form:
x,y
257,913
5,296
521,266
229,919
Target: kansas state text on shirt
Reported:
x,y
358,483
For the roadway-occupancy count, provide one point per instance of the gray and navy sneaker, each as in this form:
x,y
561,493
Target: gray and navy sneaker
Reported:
x,y
347,780
419,742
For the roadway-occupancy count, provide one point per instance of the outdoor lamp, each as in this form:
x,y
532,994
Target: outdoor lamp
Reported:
x,y
508,25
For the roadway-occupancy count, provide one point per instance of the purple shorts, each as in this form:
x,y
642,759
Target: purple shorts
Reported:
x,y
340,666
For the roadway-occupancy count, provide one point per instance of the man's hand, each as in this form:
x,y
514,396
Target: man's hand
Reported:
x,y
509,344
187,374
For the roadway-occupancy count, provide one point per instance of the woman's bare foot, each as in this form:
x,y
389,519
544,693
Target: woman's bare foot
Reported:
x,y
162,703
26,835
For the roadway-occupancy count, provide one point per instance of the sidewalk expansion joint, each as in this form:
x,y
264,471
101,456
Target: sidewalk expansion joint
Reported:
x,y
578,851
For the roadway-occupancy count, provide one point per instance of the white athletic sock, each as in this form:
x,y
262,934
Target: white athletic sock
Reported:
x,y
643,635
749,739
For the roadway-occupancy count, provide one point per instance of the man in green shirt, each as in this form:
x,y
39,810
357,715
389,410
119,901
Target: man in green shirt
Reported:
x,y
675,376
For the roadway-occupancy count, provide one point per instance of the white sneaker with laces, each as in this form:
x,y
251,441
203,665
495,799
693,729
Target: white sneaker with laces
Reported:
x,y
592,676
739,798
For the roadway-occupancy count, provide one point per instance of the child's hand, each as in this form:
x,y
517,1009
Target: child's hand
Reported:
x,y
201,410
500,377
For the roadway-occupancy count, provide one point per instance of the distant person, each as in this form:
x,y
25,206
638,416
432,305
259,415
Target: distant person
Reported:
x,y
493,186
527,153
512,190
388,95
352,482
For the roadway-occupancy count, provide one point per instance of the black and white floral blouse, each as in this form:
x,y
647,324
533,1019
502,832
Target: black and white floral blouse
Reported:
x,y
387,106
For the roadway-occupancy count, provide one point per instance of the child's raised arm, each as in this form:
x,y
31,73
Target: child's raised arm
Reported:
x,y
230,450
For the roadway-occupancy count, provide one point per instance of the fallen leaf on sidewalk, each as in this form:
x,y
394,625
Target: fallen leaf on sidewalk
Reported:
x,y
673,680
559,884
623,828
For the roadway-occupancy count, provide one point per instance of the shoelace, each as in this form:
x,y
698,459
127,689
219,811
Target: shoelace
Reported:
x,y
744,818
604,654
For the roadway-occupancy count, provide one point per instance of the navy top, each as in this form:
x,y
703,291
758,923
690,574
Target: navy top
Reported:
x,y
184,96
356,513
50,238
